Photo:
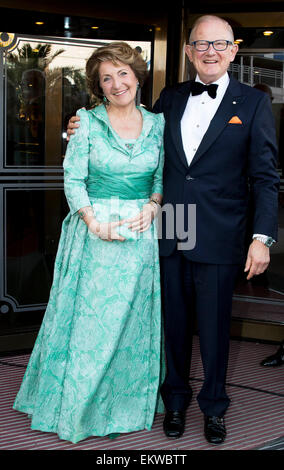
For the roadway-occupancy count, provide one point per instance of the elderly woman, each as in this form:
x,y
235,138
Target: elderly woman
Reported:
x,y
95,366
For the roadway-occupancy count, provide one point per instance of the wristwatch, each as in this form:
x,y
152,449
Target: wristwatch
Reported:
x,y
268,241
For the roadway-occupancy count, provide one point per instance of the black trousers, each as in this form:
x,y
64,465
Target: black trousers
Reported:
x,y
205,289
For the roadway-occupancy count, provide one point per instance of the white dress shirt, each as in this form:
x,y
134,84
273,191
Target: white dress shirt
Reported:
x,y
199,112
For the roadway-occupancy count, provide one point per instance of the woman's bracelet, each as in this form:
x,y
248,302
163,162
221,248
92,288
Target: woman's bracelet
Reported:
x,y
85,212
89,212
152,199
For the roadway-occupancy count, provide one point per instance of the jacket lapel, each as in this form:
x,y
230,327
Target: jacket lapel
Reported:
x,y
180,101
228,108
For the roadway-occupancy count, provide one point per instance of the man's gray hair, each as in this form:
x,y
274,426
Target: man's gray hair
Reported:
x,y
207,18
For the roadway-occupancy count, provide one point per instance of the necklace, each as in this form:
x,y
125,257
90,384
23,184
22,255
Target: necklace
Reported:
x,y
129,146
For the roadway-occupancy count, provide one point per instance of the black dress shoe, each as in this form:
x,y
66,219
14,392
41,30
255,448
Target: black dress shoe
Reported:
x,y
214,429
174,424
276,359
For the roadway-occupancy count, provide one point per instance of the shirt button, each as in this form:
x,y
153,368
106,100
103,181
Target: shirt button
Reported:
x,y
197,125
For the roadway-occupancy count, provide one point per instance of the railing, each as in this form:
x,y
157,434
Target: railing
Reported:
x,y
253,75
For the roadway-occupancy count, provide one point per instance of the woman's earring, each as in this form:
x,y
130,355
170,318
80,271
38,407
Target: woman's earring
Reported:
x,y
137,86
105,100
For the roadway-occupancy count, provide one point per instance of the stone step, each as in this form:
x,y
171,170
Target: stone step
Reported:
x,y
258,313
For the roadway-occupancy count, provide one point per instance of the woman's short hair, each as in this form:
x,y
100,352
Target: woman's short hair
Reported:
x,y
114,52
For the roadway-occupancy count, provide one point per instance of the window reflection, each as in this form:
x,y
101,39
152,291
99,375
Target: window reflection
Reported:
x,y
45,86
33,219
266,71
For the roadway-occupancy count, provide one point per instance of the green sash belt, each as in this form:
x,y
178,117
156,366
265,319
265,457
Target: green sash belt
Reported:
x,y
123,187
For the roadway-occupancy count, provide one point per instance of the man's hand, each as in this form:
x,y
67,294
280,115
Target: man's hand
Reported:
x,y
72,124
258,259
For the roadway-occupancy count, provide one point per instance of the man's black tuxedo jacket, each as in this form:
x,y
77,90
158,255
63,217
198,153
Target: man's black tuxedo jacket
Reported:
x,y
231,161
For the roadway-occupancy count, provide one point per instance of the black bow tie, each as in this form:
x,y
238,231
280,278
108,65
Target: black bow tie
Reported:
x,y
197,88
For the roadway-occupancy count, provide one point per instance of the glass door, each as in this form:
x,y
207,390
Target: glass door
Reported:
x,y
42,84
265,70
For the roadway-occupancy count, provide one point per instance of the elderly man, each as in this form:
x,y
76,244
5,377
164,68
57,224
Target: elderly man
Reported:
x,y
219,141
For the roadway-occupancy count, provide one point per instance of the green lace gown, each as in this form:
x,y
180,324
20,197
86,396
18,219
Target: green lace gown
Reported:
x,y
95,366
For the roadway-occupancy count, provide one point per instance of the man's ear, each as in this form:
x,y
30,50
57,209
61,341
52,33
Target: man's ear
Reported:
x,y
188,52
234,51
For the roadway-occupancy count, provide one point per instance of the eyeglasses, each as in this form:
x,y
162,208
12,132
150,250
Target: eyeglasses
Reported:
x,y
219,45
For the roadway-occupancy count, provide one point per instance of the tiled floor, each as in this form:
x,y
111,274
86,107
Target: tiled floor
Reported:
x,y
255,419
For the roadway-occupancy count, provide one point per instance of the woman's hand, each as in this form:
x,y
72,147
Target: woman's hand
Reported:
x,y
143,220
106,230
